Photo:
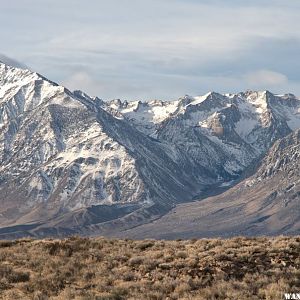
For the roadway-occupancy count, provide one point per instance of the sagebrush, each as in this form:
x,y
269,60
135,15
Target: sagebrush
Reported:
x,y
100,268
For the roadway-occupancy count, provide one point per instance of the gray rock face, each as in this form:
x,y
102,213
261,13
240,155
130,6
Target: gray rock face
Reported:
x,y
65,155
267,203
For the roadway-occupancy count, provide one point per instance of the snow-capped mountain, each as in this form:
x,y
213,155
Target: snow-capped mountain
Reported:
x,y
65,154
60,151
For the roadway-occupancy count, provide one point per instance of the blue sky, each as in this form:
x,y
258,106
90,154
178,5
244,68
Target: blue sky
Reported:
x,y
145,49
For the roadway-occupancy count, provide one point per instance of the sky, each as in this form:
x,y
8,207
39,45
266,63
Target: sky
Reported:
x,y
156,49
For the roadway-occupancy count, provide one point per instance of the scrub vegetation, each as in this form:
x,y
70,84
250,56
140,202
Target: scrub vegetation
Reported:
x,y
115,269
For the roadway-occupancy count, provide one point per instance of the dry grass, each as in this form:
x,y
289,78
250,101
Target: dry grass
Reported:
x,y
82,268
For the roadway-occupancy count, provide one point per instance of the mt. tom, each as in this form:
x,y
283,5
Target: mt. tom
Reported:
x,y
71,163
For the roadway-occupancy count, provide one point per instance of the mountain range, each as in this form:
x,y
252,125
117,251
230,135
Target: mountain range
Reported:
x,y
212,165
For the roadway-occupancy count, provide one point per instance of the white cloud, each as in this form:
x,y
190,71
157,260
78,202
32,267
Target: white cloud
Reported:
x,y
265,78
154,48
106,88
81,80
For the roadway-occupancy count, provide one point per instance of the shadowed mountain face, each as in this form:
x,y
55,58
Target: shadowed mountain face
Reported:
x,y
71,163
266,203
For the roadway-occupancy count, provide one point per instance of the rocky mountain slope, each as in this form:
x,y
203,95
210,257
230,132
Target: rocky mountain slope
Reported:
x,y
266,203
73,163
